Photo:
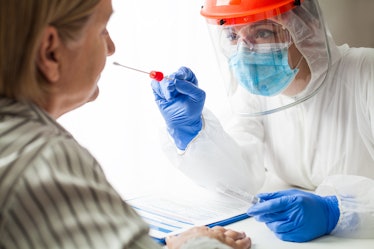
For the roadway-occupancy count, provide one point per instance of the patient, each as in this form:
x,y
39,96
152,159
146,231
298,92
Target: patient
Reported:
x,y
53,193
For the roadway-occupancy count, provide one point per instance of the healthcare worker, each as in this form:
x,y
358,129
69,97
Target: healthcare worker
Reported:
x,y
302,109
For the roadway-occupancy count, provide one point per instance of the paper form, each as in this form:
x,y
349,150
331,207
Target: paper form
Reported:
x,y
172,214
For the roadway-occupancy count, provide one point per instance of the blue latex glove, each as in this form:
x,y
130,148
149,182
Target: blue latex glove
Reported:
x,y
295,215
181,103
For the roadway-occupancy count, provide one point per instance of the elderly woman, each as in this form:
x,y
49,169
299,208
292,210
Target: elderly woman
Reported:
x,y
53,193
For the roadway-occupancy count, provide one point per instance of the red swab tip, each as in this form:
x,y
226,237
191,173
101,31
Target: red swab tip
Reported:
x,y
156,75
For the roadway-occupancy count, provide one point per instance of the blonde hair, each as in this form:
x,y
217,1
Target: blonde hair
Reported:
x,y
21,25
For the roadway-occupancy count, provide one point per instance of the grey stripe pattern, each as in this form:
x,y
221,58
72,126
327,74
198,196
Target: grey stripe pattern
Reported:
x,y
53,193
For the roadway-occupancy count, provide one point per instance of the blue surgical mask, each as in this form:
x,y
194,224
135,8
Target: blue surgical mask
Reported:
x,y
265,74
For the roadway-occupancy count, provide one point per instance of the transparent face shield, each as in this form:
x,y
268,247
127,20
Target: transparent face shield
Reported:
x,y
269,65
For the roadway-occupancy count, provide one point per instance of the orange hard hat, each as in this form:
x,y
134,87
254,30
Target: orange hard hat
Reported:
x,y
230,12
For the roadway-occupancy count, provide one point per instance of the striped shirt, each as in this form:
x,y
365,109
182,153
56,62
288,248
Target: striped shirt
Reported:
x,y
53,193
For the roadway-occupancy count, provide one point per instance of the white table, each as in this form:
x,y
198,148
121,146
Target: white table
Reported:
x,y
263,238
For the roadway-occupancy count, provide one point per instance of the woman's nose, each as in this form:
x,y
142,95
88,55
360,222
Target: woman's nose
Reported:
x,y
111,48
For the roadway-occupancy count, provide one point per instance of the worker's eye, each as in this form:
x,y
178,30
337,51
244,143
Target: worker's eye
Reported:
x,y
231,35
264,34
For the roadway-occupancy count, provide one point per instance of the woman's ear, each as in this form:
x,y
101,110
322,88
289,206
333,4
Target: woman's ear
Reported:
x,y
47,54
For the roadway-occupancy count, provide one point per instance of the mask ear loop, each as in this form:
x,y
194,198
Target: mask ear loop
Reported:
x,y
299,62
301,57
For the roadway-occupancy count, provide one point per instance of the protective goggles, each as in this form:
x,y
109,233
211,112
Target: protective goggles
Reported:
x,y
262,37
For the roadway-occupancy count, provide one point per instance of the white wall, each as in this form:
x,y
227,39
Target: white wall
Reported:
x,y
350,21
121,127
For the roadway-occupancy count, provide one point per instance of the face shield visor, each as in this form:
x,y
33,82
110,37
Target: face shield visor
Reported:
x,y
273,54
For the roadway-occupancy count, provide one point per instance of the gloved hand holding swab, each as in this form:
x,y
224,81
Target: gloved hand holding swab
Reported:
x,y
171,96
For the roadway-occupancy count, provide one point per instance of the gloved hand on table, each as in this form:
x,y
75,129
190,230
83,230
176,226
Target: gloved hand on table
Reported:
x,y
180,102
295,215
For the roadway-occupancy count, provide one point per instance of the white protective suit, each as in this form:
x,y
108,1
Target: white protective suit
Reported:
x,y
325,143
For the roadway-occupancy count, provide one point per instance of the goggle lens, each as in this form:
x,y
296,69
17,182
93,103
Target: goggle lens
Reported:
x,y
261,37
